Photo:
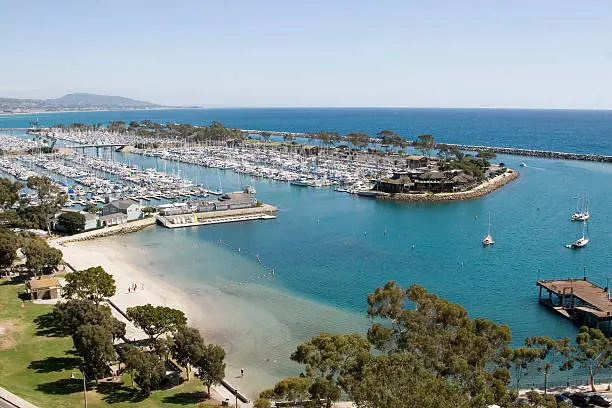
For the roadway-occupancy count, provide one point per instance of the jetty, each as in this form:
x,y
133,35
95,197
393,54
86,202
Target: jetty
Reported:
x,y
579,300
264,212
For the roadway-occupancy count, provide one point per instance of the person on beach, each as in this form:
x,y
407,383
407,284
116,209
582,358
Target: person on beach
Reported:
x,y
129,289
242,372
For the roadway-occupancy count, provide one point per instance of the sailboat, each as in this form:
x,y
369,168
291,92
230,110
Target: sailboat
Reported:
x,y
581,214
582,241
488,240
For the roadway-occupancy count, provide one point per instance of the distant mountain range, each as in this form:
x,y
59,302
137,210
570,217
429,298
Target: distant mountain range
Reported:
x,y
73,101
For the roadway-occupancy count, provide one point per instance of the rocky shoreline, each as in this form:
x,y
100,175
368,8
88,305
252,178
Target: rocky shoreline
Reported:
x,y
483,189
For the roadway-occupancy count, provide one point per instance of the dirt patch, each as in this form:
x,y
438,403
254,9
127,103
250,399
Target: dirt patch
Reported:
x,y
7,328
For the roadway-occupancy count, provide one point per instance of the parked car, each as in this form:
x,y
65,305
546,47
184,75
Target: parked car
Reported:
x,y
563,398
598,400
578,399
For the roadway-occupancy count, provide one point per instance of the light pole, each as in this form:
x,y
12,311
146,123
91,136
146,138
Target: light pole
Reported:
x,y
84,385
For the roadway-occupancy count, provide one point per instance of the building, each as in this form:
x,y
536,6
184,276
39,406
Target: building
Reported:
x,y
130,208
399,183
113,219
91,221
234,201
414,162
40,289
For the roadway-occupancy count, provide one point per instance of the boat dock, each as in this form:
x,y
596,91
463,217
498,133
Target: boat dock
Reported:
x,y
265,212
582,301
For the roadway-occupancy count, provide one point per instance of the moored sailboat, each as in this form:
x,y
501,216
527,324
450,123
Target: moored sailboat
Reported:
x,y
488,240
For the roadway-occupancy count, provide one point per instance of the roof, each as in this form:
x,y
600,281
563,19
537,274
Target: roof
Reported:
x,y
413,157
122,204
432,175
403,181
37,284
90,216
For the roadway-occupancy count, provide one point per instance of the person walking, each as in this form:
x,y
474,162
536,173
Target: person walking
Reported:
x,y
242,372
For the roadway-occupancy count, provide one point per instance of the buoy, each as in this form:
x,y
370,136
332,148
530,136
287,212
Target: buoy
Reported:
x,y
385,232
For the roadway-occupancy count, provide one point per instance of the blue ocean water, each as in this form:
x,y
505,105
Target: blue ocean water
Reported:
x,y
559,130
329,250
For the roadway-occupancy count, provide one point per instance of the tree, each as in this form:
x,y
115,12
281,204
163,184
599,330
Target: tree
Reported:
x,y
210,365
77,312
94,344
156,320
72,221
266,136
519,360
550,354
443,336
293,389
358,139
146,368
425,144
93,283
537,400
262,403
8,248
485,154
593,352
400,381
39,256
50,196
91,208
187,347
333,362
131,357
9,193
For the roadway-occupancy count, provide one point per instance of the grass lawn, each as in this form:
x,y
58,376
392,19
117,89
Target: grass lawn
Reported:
x,y
37,365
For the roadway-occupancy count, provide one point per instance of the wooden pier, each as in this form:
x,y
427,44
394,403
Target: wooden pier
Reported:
x,y
582,301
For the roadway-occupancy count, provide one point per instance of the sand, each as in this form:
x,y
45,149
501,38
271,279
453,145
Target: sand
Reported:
x,y
117,260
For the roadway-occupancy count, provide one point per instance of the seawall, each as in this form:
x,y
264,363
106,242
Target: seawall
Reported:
x,y
480,190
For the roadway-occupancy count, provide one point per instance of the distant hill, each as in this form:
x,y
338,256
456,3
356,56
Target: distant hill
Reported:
x,y
103,101
73,101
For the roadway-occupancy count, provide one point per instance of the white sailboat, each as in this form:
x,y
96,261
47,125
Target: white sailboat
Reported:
x,y
582,241
488,240
581,214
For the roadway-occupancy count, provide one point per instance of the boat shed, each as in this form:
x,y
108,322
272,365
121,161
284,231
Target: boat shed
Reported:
x,y
40,289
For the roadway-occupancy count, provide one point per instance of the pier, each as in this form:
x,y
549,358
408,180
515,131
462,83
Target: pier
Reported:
x,y
579,300
217,217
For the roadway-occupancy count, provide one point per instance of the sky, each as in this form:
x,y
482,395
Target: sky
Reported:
x,y
332,53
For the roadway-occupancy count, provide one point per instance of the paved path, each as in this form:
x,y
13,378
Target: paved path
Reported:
x,y
10,400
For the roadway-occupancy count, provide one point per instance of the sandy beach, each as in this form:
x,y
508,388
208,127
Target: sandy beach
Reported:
x,y
117,261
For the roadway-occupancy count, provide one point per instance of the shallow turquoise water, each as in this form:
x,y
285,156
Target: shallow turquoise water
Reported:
x,y
325,265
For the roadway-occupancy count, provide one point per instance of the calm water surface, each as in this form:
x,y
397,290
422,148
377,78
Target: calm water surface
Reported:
x,y
328,250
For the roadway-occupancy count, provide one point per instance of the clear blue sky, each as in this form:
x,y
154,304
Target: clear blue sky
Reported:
x,y
471,53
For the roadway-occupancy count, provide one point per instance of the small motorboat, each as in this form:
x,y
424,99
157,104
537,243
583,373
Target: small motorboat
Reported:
x,y
523,164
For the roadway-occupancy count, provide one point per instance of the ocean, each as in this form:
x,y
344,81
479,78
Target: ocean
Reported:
x,y
328,250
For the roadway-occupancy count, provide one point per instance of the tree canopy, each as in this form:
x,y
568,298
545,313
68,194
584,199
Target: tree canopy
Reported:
x,y
211,365
593,352
9,193
145,368
156,320
92,283
94,343
425,144
72,221
187,347
40,257
8,248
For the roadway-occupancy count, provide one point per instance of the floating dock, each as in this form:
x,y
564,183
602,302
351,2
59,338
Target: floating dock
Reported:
x,y
265,212
582,301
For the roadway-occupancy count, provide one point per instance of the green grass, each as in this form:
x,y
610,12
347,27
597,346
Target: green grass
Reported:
x,y
36,364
